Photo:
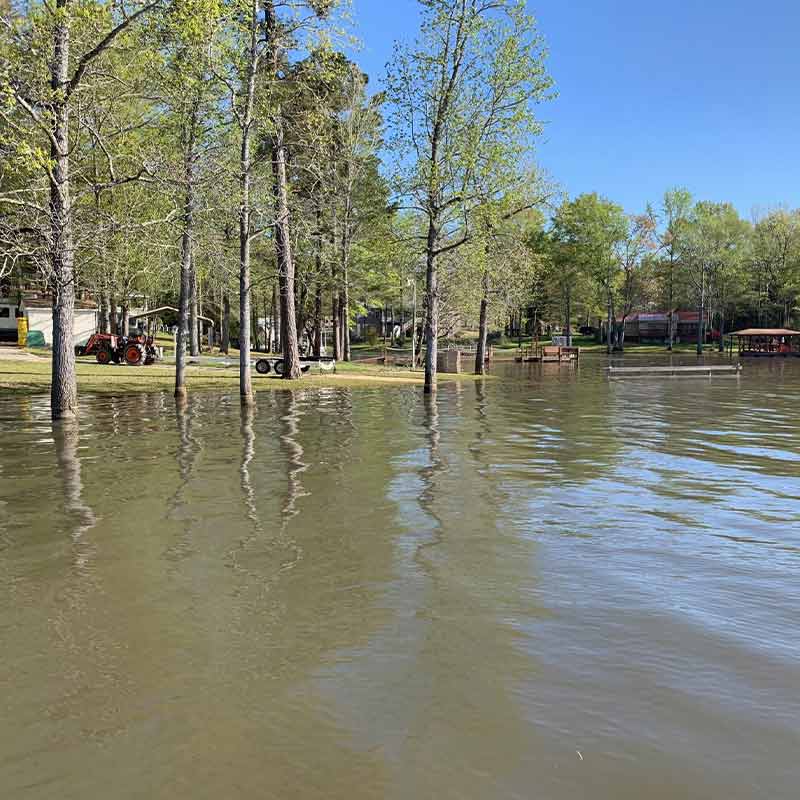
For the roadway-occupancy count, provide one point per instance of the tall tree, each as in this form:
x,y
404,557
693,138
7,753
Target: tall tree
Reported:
x,y
590,230
47,38
674,214
462,119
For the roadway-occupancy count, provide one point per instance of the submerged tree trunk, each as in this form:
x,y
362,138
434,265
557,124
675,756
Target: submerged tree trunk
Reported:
x,y
64,387
480,350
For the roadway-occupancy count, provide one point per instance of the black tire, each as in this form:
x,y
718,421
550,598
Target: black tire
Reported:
x,y
262,366
103,356
278,367
134,355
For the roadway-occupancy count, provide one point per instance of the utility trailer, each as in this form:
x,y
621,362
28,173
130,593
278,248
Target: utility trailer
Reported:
x,y
264,366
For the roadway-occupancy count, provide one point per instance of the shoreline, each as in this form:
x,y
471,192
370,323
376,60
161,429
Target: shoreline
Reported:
x,y
30,377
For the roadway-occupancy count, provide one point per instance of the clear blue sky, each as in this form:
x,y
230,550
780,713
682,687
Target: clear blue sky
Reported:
x,y
704,94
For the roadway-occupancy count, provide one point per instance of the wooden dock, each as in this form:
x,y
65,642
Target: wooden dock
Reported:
x,y
548,354
701,371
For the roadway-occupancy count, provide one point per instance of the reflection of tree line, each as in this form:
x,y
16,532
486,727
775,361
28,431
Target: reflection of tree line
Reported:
x,y
261,650
469,574
66,439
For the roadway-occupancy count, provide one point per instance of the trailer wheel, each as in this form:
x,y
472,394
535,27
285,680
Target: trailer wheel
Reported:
x,y
278,367
103,356
134,355
262,366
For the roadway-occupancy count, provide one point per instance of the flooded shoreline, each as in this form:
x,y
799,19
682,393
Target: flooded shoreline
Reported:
x,y
547,584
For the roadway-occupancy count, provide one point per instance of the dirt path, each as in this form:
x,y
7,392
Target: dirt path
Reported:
x,y
10,352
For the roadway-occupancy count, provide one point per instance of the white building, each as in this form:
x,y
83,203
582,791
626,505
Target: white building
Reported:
x,y
39,314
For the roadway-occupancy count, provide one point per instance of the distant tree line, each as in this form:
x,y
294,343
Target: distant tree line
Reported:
x,y
680,253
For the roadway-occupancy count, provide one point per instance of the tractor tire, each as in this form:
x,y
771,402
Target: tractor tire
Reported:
x,y
278,367
262,366
103,356
134,355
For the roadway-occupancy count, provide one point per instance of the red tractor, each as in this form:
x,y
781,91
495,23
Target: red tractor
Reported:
x,y
107,348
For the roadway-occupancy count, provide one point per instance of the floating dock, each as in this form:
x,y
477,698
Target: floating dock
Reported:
x,y
675,371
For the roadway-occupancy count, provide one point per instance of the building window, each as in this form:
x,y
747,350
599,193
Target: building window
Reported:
x,y
5,312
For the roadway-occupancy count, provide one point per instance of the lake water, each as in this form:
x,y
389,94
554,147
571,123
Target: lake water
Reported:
x,y
545,585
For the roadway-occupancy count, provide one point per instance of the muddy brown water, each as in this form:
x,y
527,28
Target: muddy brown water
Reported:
x,y
547,585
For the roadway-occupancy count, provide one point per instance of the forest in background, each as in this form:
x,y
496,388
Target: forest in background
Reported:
x,y
229,158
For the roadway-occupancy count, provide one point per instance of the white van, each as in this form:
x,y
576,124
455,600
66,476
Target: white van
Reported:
x,y
9,312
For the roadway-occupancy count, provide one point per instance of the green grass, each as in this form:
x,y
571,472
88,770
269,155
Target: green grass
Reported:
x,y
33,377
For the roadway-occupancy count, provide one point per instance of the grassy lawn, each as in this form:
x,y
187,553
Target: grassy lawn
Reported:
x,y
33,377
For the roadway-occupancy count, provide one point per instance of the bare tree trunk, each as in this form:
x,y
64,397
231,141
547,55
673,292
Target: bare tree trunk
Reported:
x,y
318,318
187,239
277,344
344,297
568,326
317,343
671,300
610,324
483,325
701,328
337,349
104,323
302,302
283,249
64,386
432,307
345,309
225,333
194,333
245,211
126,318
